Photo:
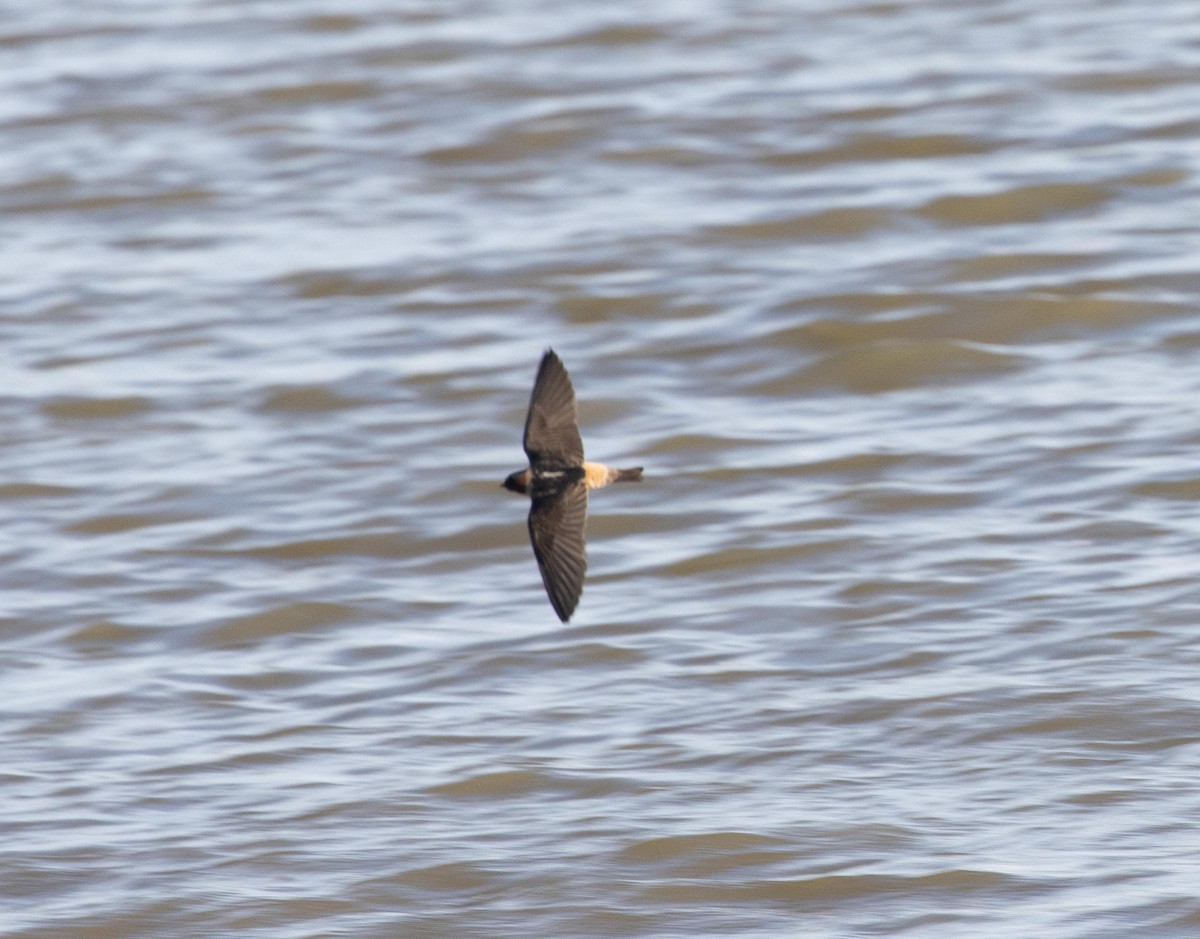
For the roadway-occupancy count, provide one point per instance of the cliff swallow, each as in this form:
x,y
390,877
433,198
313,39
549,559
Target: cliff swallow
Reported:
x,y
557,481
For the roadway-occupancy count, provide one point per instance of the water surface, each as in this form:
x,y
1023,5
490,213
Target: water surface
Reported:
x,y
895,302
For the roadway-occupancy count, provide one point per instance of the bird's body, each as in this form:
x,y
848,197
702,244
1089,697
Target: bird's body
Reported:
x,y
595,476
557,482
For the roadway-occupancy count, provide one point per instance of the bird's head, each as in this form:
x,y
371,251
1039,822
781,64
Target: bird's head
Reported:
x,y
517,482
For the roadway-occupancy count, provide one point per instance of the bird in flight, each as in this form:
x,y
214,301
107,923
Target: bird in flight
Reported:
x,y
557,481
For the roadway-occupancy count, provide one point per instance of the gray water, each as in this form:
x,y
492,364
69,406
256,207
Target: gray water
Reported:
x,y
897,303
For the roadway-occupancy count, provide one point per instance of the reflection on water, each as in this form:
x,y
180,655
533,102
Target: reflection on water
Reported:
x,y
895,303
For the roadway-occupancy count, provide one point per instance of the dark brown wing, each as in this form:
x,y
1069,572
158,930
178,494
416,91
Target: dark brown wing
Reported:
x,y
556,525
552,425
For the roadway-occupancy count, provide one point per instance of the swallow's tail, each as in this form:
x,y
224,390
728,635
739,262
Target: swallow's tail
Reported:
x,y
628,475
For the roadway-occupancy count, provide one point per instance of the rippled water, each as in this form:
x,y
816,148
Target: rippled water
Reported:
x,y
897,304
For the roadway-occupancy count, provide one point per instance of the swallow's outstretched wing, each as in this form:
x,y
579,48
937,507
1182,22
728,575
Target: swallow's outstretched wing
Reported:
x,y
556,523
552,426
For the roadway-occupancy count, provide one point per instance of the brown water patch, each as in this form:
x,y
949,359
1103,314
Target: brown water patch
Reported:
x,y
16,490
104,635
1182,489
319,285
288,619
83,409
306,398
119,522
877,147
829,224
1019,205
318,92
895,364
519,783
